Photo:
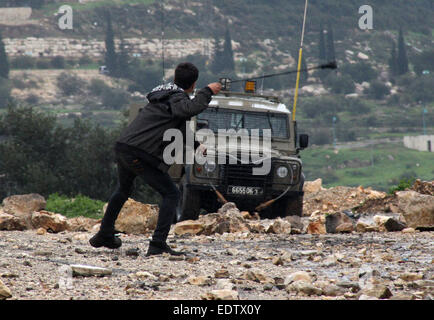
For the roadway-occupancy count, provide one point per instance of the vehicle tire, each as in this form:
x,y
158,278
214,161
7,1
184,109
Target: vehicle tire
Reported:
x,y
189,203
288,206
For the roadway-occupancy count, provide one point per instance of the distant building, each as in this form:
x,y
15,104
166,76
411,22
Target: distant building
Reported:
x,y
421,143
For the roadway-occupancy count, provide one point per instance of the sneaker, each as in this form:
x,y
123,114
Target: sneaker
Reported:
x,y
100,240
162,247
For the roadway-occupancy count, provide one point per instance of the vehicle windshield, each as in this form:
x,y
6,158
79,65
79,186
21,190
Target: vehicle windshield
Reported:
x,y
231,119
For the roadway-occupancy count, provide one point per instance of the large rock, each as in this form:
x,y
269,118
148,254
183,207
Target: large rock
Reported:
x,y
338,222
5,292
313,186
136,217
22,206
191,227
81,224
424,187
10,222
50,221
417,209
279,226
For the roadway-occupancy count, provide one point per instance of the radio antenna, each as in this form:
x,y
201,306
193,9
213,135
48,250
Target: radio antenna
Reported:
x,y
162,40
299,62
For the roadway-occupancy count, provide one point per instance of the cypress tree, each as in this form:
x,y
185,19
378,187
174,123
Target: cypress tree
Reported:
x,y
228,53
322,47
4,63
217,63
123,60
331,55
402,60
393,61
111,59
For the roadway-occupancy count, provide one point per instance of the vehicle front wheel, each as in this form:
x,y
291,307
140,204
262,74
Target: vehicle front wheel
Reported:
x,y
288,206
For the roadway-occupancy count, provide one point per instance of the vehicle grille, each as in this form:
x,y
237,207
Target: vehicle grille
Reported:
x,y
242,175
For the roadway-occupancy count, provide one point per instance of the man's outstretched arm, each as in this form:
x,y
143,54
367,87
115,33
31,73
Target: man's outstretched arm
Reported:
x,y
183,107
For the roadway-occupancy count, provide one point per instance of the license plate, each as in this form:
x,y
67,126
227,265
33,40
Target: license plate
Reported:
x,y
241,190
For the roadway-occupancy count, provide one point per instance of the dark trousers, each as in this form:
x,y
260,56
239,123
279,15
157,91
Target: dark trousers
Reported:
x,y
130,165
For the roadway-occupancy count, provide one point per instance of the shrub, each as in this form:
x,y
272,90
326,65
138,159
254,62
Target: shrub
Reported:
x,y
5,92
23,62
114,98
377,90
79,206
70,84
402,185
340,84
43,64
85,60
97,87
32,99
58,62
360,72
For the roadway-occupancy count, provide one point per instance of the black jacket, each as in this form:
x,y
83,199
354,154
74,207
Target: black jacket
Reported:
x,y
169,108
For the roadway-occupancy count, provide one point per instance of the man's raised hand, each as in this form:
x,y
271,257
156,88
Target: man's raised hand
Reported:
x,y
215,87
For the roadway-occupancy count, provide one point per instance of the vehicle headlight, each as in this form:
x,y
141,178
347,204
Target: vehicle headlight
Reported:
x,y
210,166
282,172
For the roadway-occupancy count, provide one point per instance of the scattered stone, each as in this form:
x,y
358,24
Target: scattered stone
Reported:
x,y
393,225
5,292
378,291
199,281
80,224
89,271
27,263
332,290
316,227
257,277
221,295
278,261
222,273
50,221
366,224
10,222
80,251
188,227
225,284
338,222
409,230
41,231
297,276
232,252
43,253
133,252
411,276
279,226
304,287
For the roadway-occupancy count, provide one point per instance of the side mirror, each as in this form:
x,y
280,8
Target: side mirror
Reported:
x,y
201,124
303,141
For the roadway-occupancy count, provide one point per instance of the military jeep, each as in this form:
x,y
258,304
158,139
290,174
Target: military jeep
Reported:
x,y
205,186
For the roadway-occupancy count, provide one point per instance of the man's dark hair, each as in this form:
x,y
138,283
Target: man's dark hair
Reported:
x,y
185,75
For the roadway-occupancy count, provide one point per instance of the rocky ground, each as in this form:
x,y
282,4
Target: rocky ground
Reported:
x,y
332,253
341,266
